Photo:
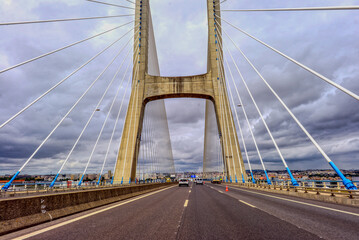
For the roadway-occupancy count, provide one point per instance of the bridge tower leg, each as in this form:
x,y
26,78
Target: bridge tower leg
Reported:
x,y
229,140
148,85
125,171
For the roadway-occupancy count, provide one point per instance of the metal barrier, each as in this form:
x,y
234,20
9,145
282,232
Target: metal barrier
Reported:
x,y
44,189
311,183
314,190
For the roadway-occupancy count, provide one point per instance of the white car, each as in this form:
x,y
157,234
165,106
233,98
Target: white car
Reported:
x,y
183,182
199,181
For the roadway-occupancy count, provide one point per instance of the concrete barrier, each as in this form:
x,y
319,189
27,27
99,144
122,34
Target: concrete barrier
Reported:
x,y
18,213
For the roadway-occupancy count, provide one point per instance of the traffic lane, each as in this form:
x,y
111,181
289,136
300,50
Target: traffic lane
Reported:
x,y
154,217
325,223
74,217
310,201
256,192
331,208
214,215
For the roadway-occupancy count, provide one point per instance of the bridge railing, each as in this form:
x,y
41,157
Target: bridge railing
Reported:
x,y
24,190
311,183
308,190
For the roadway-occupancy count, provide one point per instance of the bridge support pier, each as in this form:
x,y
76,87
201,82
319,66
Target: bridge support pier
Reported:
x,y
148,85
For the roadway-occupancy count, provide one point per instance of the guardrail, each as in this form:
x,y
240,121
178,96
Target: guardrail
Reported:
x,y
312,183
310,190
45,189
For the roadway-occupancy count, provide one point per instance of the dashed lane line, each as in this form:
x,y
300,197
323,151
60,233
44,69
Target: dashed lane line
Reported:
x,y
186,203
247,204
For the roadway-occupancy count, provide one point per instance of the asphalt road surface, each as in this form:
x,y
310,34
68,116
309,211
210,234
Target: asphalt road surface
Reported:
x,y
204,212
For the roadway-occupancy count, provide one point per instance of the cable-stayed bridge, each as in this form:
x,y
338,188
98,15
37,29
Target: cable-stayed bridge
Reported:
x,y
132,101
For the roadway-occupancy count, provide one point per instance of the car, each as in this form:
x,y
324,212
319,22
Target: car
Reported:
x,y
183,182
216,181
199,181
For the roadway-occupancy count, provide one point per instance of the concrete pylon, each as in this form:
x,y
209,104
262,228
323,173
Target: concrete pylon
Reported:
x,y
148,85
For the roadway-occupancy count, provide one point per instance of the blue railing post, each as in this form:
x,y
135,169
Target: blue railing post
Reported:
x,y
8,184
129,180
236,179
82,177
268,180
347,183
112,180
53,181
121,180
253,180
243,179
230,179
99,180
294,182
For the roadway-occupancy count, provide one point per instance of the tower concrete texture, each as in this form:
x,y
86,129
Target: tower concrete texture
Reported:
x,y
148,85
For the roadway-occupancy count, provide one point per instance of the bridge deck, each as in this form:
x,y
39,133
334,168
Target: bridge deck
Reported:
x,y
206,212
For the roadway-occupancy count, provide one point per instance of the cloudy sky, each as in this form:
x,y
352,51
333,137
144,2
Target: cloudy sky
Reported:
x,y
326,41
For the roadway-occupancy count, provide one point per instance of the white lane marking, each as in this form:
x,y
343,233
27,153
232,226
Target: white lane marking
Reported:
x,y
220,191
304,203
247,204
87,215
189,190
185,203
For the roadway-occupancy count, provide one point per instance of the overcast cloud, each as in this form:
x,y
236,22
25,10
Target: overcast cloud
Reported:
x,y
325,41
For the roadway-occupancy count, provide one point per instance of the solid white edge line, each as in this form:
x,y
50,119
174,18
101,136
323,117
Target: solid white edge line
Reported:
x,y
304,203
87,215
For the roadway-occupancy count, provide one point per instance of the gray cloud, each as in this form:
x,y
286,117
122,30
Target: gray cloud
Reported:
x,y
325,41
